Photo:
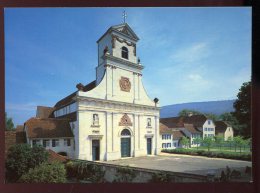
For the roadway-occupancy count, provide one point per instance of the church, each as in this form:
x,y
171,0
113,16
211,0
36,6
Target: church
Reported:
x,y
110,118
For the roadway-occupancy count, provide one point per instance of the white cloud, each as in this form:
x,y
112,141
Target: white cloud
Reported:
x,y
193,53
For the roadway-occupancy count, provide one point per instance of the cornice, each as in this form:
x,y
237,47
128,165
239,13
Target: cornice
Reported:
x,y
110,102
127,63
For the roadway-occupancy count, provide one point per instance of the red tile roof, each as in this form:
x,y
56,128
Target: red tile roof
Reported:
x,y
178,122
53,156
191,128
177,134
173,122
221,126
48,128
44,112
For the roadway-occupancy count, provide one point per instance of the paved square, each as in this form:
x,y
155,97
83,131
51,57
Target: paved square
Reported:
x,y
183,163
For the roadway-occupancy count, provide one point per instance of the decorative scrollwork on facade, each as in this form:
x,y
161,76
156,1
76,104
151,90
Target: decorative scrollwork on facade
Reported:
x,y
125,121
125,84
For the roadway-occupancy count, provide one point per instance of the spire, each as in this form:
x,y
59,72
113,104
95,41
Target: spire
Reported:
x,y
124,15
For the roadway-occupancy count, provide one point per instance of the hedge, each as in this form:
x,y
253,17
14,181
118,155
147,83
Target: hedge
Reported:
x,y
227,155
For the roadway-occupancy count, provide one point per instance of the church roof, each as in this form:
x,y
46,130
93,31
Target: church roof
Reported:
x,y
48,128
123,29
69,99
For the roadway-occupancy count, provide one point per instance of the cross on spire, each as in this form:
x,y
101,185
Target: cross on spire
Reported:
x,y
124,16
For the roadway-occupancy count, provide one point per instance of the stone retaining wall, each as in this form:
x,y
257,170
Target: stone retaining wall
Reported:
x,y
141,175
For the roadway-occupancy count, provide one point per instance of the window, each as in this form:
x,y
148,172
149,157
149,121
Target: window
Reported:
x,y
55,142
206,129
149,122
95,119
209,122
124,52
46,143
168,145
36,142
164,145
175,144
66,142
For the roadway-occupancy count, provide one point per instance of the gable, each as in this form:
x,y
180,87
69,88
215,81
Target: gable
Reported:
x,y
126,30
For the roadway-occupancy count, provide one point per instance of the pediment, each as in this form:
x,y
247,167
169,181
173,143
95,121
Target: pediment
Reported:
x,y
126,30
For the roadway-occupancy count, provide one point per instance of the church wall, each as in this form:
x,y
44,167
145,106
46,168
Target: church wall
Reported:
x,y
110,130
109,88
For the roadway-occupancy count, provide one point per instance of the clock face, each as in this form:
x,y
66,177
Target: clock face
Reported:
x,y
125,84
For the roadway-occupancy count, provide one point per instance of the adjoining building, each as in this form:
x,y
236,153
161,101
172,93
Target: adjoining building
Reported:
x,y
109,118
192,126
224,130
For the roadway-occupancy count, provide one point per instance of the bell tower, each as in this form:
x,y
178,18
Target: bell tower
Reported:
x,y
117,44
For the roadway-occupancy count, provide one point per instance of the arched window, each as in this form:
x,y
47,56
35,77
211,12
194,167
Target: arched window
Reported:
x,y
125,132
124,52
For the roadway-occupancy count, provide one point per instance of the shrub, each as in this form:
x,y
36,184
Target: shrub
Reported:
x,y
21,157
45,173
85,171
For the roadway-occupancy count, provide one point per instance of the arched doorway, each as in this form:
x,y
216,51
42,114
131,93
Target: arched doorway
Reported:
x,y
125,143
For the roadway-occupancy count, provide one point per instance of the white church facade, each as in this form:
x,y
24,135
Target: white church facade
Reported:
x,y
112,117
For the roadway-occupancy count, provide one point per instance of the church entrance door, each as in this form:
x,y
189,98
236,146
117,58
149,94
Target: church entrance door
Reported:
x,y
125,143
149,146
95,150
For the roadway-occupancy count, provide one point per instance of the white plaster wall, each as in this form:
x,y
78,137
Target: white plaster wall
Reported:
x,y
61,148
166,140
117,51
229,133
110,142
109,88
206,125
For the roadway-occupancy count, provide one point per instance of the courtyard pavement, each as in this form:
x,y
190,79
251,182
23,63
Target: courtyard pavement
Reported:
x,y
183,163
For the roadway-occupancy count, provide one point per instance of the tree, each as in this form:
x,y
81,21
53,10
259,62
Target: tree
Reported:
x,y
230,141
186,112
185,141
211,116
9,125
243,108
208,141
21,157
45,173
197,141
238,142
219,140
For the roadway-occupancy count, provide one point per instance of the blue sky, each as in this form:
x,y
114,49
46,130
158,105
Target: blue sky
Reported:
x,y
189,54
